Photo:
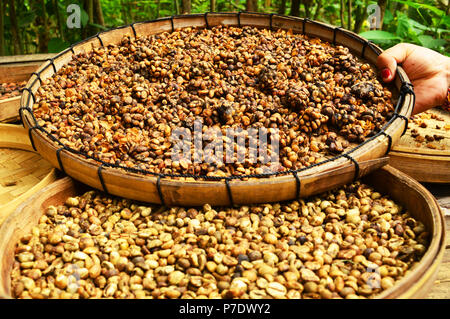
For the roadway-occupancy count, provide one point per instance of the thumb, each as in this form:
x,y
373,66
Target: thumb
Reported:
x,y
388,60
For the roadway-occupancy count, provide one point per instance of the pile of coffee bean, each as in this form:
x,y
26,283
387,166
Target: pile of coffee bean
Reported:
x,y
121,103
352,242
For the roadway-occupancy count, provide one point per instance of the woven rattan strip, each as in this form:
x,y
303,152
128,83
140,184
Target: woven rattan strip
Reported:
x,y
356,165
298,184
38,76
160,193
389,142
229,192
100,177
30,135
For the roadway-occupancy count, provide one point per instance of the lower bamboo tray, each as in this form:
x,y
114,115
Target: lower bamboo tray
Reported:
x,y
22,172
417,159
413,196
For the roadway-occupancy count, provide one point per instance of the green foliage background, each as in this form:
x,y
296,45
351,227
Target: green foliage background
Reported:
x,y
423,22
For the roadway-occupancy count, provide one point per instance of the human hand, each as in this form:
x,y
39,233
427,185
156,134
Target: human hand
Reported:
x,y
427,70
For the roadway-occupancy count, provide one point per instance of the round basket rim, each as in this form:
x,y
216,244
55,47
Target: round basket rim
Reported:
x,y
412,284
387,135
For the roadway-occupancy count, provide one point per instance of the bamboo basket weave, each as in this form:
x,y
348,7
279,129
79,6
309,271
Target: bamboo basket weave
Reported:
x,y
196,190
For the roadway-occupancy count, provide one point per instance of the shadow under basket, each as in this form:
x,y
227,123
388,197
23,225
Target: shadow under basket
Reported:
x,y
171,190
401,188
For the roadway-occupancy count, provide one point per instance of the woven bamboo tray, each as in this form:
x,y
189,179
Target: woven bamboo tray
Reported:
x,y
425,164
22,172
154,188
413,196
17,69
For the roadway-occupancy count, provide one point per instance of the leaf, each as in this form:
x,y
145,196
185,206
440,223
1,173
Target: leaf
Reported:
x,y
331,8
165,13
56,45
417,5
430,42
98,26
27,19
388,17
418,25
84,18
112,22
403,26
378,35
446,22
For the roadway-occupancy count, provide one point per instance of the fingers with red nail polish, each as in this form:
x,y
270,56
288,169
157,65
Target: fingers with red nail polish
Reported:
x,y
386,74
387,61
428,71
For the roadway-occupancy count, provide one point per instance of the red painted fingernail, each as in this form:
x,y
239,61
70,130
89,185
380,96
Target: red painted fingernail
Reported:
x,y
386,73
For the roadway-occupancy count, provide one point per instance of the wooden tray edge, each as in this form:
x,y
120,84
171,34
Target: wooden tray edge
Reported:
x,y
434,254
423,168
426,273
19,140
9,109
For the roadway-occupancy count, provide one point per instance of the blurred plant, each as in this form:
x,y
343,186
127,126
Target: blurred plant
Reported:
x,y
419,23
